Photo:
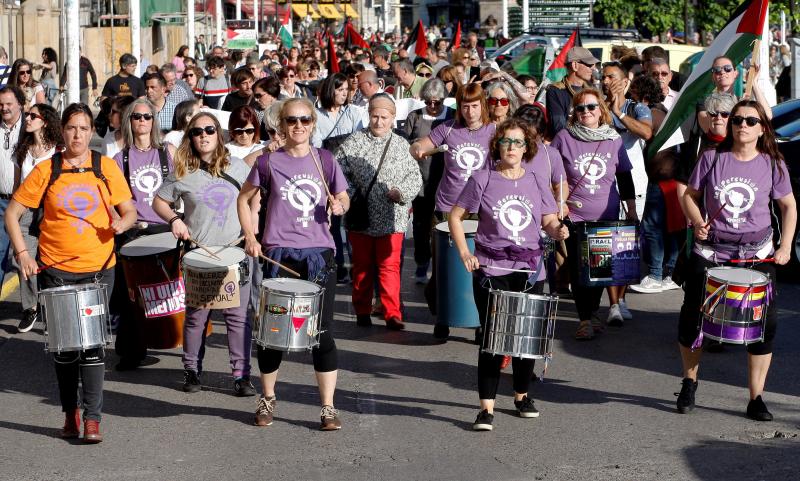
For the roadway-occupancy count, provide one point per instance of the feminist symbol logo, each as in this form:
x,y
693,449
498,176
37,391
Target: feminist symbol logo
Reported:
x,y
470,158
217,196
515,216
80,200
303,194
738,198
591,168
147,180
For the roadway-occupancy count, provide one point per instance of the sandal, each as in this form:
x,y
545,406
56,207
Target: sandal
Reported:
x,y
584,332
598,325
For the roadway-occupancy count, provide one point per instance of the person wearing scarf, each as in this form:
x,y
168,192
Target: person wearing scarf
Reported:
x,y
598,176
513,203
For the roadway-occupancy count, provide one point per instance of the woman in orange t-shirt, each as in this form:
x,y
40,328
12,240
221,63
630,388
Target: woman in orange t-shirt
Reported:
x,y
77,242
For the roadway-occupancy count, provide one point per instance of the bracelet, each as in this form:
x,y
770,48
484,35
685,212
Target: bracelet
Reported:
x,y
171,221
622,115
20,252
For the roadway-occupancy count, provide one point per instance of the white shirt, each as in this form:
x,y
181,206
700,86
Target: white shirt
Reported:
x,y
8,142
30,162
241,152
669,100
174,137
110,147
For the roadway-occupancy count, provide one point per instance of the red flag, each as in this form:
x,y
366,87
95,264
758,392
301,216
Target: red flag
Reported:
x,y
352,38
333,60
417,44
457,37
287,16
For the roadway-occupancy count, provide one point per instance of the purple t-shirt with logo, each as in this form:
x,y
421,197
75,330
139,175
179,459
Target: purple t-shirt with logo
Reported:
x,y
145,180
468,153
509,212
597,189
548,163
297,214
745,188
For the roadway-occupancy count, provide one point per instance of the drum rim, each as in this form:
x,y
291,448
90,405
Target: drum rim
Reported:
x,y
526,295
192,254
150,236
464,222
72,288
767,278
319,290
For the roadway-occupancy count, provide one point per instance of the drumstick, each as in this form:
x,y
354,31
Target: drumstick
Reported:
x,y
441,148
112,213
207,251
576,203
561,198
715,215
753,261
231,243
484,266
294,273
40,269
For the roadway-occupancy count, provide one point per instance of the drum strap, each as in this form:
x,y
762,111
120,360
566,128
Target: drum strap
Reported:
x,y
223,175
162,159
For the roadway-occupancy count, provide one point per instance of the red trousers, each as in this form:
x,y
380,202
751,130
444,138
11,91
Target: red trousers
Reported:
x,y
381,253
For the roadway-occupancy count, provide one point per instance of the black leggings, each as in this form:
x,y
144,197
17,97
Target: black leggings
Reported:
x,y
694,287
489,364
587,299
325,356
87,366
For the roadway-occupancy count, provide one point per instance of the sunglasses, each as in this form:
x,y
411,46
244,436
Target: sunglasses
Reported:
x,y
249,131
24,72
426,74
584,107
508,143
33,116
660,74
433,103
724,115
496,100
724,68
188,75
305,120
139,116
738,120
197,131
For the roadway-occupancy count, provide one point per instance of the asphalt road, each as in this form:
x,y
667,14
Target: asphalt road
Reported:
x,y
407,406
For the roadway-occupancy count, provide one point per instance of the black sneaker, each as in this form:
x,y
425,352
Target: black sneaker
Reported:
x,y
342,275
191,383
526,409
757,410
243,387
483,422
441,332
685,401
363,320
479,336
29,318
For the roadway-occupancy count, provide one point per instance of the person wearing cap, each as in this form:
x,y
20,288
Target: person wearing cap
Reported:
x,y
424,71
580,67
377,151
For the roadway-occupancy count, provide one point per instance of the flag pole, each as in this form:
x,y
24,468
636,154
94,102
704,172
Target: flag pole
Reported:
x,y
751,73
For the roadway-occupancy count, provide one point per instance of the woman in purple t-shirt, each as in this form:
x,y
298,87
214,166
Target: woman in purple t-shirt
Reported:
x,y
735,183
512,204
599,176
301,185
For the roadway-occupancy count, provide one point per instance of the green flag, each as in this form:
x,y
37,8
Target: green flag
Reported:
x,y
286,37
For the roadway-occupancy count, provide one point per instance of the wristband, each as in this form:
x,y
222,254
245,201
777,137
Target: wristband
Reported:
x,y
622,115
172,221
20,252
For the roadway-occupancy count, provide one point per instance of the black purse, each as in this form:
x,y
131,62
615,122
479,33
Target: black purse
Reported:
x,y
357,217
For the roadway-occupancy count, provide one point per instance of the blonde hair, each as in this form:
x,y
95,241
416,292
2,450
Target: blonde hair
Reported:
x,y
186,158
288,103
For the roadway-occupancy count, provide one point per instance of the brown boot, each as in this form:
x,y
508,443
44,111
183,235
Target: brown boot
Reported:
x,y
72,424
91,432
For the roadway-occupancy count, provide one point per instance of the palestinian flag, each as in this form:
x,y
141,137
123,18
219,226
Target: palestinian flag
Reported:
x,y
735,41
352,38
333,60
417,44
456,38
558,69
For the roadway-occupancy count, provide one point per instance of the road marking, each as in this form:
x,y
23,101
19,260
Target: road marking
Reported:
x,y
9,287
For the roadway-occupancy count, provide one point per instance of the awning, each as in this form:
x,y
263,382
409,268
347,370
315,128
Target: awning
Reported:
x,y
302,10
247,8
329,11
349,11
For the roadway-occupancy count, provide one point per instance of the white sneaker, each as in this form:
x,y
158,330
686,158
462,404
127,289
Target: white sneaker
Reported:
x,y
668,284
614,315
623,309
648,285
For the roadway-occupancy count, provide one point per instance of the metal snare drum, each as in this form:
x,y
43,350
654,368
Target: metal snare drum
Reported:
x,y
520,324
76,317
289,314
735,306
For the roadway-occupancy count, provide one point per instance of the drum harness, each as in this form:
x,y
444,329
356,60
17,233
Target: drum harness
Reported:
x,y
126,169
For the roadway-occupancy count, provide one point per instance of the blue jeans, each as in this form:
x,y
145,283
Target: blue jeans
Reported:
x,y
5,242
657,240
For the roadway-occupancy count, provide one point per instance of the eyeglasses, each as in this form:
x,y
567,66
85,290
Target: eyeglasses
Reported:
x,y
24,72
188,75
498,100
722,68
197,131
660,74
433,103
738,120
305,120
241,131
290,76
586,64
139,116
509,143
584,107
724,115
33,115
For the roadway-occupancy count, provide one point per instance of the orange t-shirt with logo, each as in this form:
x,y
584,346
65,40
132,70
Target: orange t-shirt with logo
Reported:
x,y
76,219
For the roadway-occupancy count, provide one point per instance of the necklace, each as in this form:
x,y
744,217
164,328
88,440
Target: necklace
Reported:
x,y
141,149
73,163
512,174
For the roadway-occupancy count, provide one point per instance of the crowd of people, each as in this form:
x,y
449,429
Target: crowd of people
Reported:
x,y
315,162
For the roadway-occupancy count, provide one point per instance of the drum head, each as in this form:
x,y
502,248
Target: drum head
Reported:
x,y
200,259
470,226
737,275
296,286
149,245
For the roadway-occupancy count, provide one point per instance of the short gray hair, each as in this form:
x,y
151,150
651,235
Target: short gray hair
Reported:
x,y
433,88
720,102
512,96
272,115
405,64
168,68
125,124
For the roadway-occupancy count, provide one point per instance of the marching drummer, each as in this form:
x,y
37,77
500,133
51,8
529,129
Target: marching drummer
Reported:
x,y
86,202
145,161
512,204
736,183
301,185
598,175
207,181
